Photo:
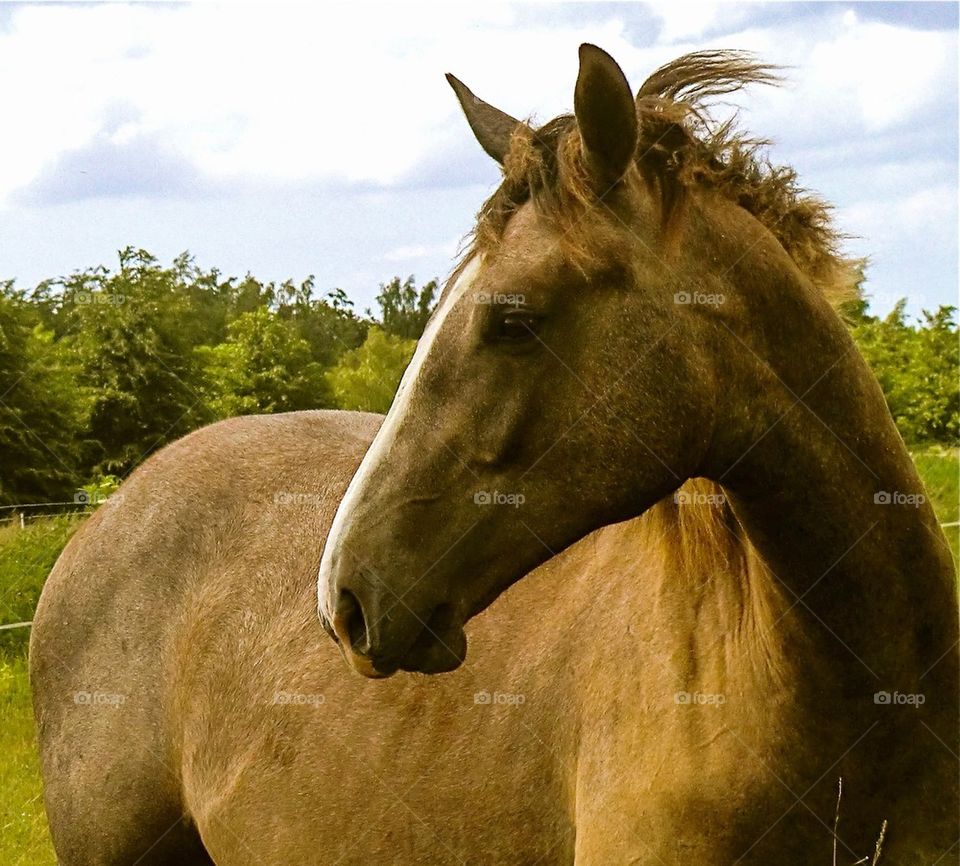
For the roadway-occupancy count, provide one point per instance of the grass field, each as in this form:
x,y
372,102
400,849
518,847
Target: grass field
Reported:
x,y
26,556
940,468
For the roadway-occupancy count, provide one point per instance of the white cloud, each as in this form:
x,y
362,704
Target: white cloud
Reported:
x,y
285,97
691,19
356,93
415,252
403,254
918,215
845,75
886,74
283,92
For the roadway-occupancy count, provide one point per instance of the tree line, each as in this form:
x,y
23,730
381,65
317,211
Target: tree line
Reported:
x,y
101,368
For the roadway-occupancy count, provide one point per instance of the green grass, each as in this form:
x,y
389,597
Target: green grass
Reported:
x,y
23,827
940,470
26,557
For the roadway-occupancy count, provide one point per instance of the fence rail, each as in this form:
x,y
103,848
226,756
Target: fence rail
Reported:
x,y
11,625
17,514
37,504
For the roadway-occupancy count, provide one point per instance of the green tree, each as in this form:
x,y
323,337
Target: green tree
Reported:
x,y
132,334
367,378
328,324
40,407
917,366
404,309
263,366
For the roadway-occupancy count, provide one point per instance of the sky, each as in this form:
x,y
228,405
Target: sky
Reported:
x,y
288,139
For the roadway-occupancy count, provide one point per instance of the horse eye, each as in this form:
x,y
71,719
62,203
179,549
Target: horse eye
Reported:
x,y
516,327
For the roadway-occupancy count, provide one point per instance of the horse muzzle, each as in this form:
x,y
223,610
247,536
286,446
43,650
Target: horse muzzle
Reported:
x,y
379,637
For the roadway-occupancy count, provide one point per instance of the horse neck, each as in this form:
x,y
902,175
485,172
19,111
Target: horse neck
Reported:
x,y
805,450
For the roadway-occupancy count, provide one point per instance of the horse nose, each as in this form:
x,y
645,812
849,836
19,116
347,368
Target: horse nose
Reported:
x,y
350,625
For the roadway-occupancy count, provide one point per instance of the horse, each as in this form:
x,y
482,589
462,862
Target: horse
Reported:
x,y
636,460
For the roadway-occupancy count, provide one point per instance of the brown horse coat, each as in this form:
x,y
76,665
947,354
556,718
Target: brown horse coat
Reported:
x,y
612,709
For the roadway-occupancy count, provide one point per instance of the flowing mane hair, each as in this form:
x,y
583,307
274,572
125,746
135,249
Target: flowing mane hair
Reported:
x,y
679,149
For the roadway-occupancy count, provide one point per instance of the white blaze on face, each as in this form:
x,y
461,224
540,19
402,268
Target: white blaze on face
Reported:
x,y
387,433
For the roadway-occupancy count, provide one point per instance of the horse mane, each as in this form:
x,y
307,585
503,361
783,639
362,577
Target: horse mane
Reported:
x,y
679,149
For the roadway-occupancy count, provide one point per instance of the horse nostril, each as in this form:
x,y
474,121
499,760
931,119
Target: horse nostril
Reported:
x,y
349,624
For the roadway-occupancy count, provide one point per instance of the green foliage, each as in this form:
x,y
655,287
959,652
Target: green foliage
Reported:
x,y
101,368
367,378
40,410
97,491
328,325
918,368
263,366
403,309
131,334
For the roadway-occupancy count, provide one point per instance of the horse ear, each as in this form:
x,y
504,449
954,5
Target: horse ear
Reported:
x,y
490,125
606,115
